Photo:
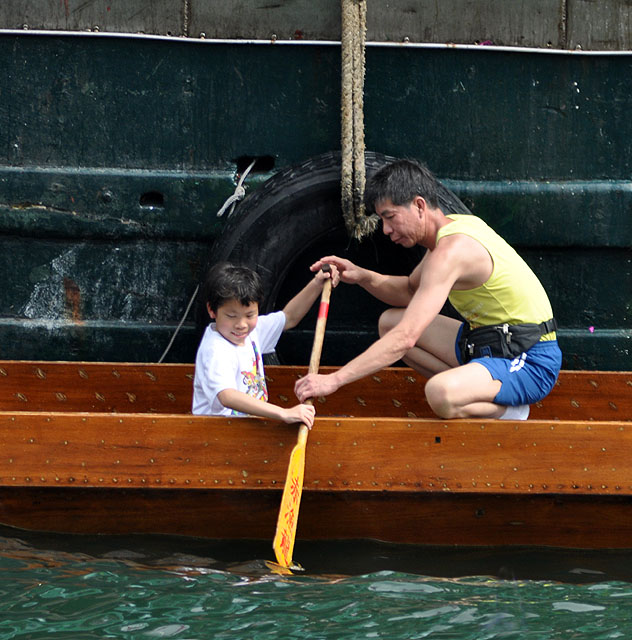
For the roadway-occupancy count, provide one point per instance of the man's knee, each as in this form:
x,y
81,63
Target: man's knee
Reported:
x,y
388,320
439,396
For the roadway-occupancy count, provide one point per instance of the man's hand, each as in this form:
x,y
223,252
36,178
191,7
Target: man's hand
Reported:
x,y
315,384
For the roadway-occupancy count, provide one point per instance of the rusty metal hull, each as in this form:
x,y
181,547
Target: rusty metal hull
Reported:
x,y
378,464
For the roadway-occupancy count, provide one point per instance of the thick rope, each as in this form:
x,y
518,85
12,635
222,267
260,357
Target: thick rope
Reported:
x,y
353,176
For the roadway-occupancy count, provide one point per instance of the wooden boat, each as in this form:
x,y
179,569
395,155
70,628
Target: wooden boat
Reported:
x,y
112,448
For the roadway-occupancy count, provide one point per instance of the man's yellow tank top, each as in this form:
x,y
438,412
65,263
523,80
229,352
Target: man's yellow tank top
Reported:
x,y
513,293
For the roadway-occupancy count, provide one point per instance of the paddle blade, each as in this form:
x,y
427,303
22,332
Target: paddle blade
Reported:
x,y
285,535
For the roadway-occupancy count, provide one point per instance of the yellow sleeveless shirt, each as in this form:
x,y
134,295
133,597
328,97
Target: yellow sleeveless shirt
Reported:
x,y
513,293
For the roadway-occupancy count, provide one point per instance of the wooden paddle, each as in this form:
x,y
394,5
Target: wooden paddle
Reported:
x,y
285,535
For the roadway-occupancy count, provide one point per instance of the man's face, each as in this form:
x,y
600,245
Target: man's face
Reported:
x,y
401,223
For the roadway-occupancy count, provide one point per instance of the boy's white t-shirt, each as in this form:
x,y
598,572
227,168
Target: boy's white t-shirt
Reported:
x,y
220,364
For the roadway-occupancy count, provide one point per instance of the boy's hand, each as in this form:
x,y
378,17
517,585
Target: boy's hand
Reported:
x,y
332,273
345,269
304,413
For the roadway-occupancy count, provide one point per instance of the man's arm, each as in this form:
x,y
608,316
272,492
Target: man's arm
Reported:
x,y
393,290
437,273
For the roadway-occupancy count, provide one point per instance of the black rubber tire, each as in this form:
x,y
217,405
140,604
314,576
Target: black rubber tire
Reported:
x,y
295,218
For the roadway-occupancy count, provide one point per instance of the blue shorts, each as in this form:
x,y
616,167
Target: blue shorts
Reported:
x,y
525,379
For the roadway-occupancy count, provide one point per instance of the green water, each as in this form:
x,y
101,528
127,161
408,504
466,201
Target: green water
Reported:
x,y
76,588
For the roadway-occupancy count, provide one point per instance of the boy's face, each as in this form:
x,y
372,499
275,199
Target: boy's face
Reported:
x,y
235,321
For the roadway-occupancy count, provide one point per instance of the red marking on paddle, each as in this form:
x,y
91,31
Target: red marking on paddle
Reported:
x,y
323,310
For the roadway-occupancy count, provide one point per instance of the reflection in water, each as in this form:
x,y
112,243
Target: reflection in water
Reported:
x,y
79,587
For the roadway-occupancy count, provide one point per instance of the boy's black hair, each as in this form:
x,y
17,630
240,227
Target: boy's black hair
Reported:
x,y
400,182
226,281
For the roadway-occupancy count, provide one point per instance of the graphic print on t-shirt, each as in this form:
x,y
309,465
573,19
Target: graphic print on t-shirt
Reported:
x,y
254,379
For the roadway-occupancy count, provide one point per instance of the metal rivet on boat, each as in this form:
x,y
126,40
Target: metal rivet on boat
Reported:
x,y
396,403
603,448
11,460
502,485
129,481
82,374
498,444
115,373
13,478
545,486
585,468
517,485
574,404
114,480
21,397
131,396
99,396
171,481
151,460
157,481
100,479
361,401
274,482
603,486
187,481
102,441
171,397
31,440
3,372
552,468
40,374
411,379
43,479
150,375
337,424
61,397
143,480
283,398
612,405
355,444
515,468
377,378
28,479
589,486
244,473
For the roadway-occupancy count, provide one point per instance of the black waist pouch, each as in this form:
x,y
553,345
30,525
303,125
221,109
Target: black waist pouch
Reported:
x,y
502,340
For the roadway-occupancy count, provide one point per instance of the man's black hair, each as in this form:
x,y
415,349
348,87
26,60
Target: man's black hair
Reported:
x,y
400,182
226,281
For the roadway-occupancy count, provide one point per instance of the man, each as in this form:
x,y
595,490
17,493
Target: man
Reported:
x,y
498,374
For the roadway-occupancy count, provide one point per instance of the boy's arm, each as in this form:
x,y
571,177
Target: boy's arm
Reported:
x,y
240,401
302,302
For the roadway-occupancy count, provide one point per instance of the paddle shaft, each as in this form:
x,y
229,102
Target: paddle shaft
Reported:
x,y
317,346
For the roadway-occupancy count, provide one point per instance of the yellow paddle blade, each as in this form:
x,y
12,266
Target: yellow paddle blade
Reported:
x,y
285,535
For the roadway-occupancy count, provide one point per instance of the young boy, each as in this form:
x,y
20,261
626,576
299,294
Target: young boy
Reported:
x,y
229,377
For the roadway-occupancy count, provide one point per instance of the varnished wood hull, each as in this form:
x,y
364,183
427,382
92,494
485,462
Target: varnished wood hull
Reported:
x,y
378,465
